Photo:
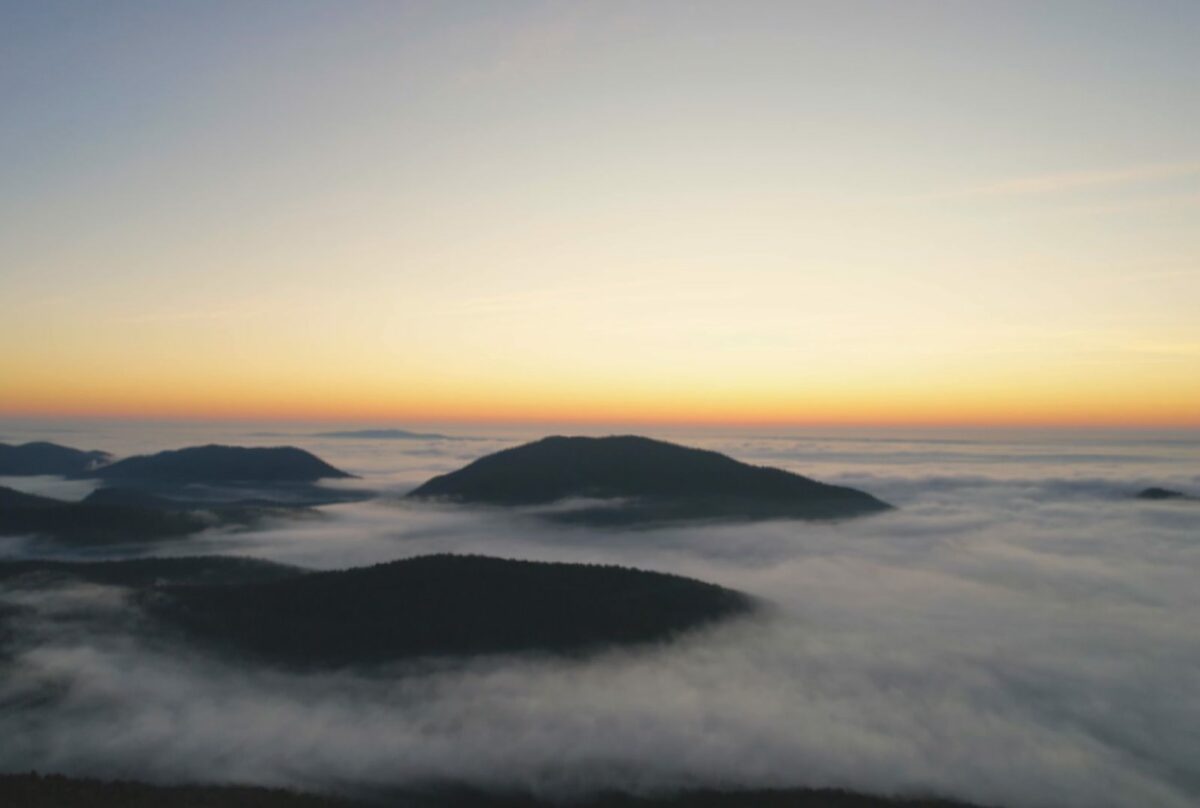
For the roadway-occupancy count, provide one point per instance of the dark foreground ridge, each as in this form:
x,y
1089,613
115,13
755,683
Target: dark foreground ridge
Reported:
x,y
30,459
655,481
54,791
441,605
221,464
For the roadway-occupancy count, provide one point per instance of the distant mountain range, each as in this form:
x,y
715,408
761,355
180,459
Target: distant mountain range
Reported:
x,y
87,524
168,495
648,480
117,516
221,464
41,457
386,434
194,464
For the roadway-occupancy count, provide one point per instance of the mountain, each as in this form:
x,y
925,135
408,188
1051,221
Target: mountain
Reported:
x,y
130,496
41,457
221,464
441,605
130,516
1161,494
385,434
84,524
652,481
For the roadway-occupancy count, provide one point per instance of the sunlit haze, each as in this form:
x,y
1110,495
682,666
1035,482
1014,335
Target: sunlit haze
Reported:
x,y
918,213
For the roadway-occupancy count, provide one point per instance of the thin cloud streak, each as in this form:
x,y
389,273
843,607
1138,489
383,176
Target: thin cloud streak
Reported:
x,y
1062,182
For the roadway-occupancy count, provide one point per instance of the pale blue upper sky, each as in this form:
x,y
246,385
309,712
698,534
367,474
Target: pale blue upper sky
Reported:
x,y
1005,176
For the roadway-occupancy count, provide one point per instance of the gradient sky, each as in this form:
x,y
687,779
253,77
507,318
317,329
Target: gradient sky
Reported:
x,y
794,212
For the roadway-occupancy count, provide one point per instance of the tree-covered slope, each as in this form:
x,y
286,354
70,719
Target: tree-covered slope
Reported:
x,y
442,605
41,457
82,523
221,464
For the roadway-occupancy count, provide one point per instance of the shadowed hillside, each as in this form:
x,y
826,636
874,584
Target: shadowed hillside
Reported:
x,y
442,605
128,516
81,523
221,464
656,481
30,459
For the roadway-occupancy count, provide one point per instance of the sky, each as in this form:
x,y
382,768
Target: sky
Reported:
x,y
912,213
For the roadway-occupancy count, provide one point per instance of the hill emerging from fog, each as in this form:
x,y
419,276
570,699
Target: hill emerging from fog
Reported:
x,y
651,481
120,516
442,605
215,464
30,459
86,524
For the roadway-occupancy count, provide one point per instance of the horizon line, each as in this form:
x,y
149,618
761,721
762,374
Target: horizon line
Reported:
x,y
400,422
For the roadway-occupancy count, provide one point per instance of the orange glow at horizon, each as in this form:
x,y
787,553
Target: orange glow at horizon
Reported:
x,y
993,406
445,217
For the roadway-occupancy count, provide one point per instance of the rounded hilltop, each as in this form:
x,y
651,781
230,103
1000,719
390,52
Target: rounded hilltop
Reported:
x,y
649,480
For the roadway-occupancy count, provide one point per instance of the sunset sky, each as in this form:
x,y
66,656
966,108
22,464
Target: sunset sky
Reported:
x,y
734,212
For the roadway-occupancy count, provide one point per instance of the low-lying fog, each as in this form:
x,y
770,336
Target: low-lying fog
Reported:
x,y
1019,632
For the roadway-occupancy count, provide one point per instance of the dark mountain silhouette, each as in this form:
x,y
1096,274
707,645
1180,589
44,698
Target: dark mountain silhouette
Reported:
x,y
144,572
221,464
385,434
47,458
31,790
82,524
131,516
227,504
655,481
1155,493
136,497
237,501
442,605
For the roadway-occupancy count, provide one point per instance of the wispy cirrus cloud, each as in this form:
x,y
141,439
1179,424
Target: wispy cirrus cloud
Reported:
x,y
1066,181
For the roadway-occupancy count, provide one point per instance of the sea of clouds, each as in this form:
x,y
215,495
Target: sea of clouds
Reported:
x,y
1019,632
